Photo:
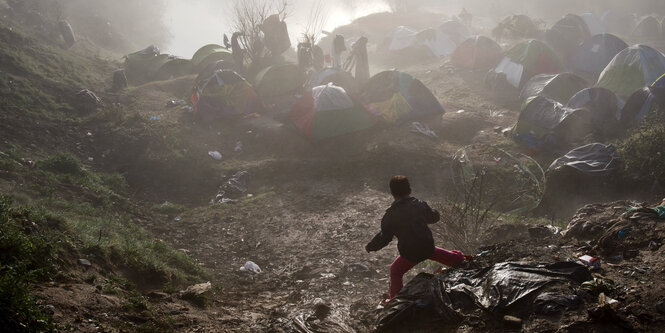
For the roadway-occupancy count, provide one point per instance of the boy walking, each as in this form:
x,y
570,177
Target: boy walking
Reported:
x,y
407,219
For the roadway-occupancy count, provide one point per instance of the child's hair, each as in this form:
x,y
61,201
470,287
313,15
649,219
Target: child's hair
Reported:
x,y
399,186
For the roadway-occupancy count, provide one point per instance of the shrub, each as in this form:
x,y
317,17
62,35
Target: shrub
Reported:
x,y
644,153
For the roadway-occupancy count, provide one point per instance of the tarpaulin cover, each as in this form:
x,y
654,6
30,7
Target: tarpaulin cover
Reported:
x,y
559,87
633,68
595,53
440,299
595,159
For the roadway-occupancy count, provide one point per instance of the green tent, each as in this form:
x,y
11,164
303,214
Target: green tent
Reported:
x,y
635,67
174,68
279,80
209,54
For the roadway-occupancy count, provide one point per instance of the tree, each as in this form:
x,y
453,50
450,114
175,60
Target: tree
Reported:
x,y
249,16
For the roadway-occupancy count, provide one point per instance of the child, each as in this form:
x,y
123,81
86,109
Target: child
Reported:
x,y
407,219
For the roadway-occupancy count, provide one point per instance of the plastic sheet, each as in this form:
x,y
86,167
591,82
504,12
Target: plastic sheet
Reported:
x,y
442,299
594,159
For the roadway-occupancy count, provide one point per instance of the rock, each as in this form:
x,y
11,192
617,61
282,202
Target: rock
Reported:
x,y
84,262
49,308
196,290
251,267
512,322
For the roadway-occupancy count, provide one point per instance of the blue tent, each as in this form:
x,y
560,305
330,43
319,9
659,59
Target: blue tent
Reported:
x,y
595,53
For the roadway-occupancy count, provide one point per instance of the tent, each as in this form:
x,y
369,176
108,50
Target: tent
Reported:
x,y
595,53
566,34
648,28
515,26
174,68
618,22
279,80
209,54
544,123
633,68
397,97
559,87
407,40
603,105
455,30
594,23
210,69
138,64
337,77
642,103
328,111
525,60
224,94
477,52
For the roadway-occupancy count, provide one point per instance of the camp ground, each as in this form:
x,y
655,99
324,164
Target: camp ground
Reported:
x,y
332,166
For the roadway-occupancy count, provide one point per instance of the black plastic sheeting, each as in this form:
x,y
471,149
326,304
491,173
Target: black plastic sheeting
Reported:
x,y
595,159
442,299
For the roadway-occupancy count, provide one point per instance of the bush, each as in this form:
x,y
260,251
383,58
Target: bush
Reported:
x,y
62,164
644,153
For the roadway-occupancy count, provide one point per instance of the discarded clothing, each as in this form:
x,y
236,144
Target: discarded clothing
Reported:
x,y
552,304
636,213
423,129
438,299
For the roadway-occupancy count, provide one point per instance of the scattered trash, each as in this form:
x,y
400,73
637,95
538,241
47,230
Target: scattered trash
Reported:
x,y
177,219
84,262
590,261
660,306
605,301
636,213
599,285
174,103
552,304
196,290
622,233
495,113
251,267
232,188
238,147
328,276
460,111
417,127
216,155
543,231
511,322
654,246
87,101
155,118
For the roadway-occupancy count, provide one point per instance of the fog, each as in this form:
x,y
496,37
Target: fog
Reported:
x,y
199,22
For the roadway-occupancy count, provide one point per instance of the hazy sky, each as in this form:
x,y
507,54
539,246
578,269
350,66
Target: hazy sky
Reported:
x,y
195,23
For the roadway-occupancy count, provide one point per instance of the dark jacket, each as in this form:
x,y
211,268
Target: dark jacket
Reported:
x,y
407,219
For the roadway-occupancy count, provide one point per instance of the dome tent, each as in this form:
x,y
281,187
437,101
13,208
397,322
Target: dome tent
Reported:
x,y
477,52
337,77
642,103
398,97
174,68
633,68
594,24
279,80
525,60
559,87
648,28
328,111
224,94
604,107
566,34
595,53
544,123
210,54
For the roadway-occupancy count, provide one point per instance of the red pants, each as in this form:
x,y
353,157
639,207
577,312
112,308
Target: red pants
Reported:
x,y
400,266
